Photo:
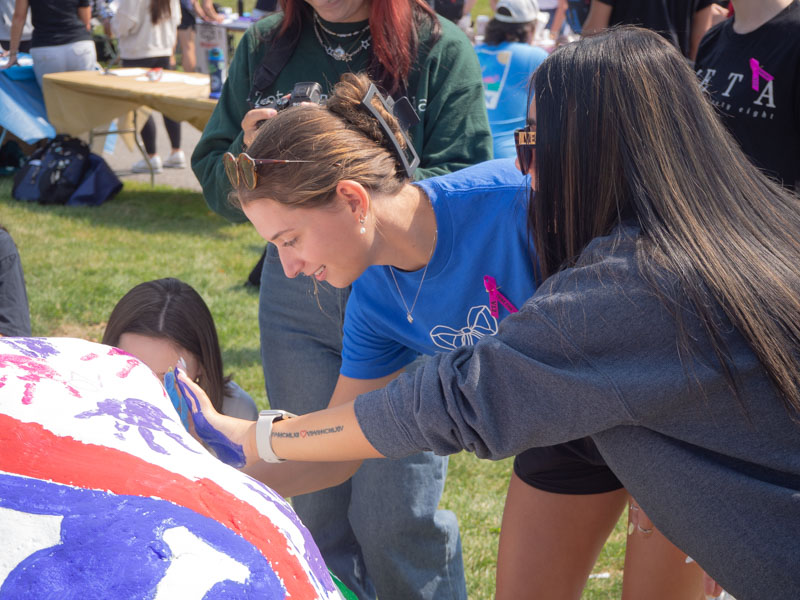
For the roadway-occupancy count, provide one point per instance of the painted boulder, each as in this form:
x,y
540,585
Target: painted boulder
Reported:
x,y
103,494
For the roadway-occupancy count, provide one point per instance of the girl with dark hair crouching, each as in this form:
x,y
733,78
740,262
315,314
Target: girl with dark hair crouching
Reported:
x,y
165,320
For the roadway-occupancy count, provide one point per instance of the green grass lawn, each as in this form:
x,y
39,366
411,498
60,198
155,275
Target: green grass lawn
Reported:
x,y
79,261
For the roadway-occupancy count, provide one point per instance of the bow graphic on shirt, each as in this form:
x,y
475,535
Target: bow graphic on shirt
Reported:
x,y
480,323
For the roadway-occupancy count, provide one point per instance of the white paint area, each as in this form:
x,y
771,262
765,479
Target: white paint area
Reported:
x,y
195,567
23,534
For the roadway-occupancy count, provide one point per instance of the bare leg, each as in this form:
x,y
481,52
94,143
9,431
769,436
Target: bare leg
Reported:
x,y
654,567
188,57
550,542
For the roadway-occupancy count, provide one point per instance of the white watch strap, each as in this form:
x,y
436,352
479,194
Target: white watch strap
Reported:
x,y
264,433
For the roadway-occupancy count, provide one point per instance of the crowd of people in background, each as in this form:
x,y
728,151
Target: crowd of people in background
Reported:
x,y
641,183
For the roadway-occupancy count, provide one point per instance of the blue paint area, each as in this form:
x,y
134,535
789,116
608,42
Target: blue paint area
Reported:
x,y
177,401
147,418
227,451
112,547
33,347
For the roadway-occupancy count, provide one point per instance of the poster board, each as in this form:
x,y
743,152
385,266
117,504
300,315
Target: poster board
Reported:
x,y
208,36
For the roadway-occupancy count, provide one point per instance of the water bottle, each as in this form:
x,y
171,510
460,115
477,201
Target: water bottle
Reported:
x,y
216,71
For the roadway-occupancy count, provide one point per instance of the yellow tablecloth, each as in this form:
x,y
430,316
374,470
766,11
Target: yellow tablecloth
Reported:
x,y
78,101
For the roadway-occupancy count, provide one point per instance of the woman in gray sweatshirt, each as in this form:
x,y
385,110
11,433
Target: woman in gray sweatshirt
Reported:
x,y
667,329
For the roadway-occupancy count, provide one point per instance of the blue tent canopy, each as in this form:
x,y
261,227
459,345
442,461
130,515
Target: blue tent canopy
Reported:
x,y
22,110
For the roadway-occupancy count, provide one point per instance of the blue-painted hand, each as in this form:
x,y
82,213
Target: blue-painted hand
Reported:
x,y
226,450
177,401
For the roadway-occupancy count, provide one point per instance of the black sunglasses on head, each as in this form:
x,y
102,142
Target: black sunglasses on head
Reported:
x,y
242,168
525,142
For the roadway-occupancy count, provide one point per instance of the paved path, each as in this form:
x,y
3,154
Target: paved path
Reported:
x,y
122,158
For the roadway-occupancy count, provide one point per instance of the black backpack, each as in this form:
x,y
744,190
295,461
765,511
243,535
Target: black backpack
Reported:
x,y
53,172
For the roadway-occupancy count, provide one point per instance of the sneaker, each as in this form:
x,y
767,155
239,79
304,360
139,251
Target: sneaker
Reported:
x,y
141,166
176,160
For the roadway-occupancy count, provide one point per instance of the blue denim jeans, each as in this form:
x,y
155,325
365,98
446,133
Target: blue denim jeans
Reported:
x,y
381,531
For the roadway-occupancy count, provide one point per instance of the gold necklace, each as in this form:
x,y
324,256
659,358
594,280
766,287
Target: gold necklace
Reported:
x,y
409,318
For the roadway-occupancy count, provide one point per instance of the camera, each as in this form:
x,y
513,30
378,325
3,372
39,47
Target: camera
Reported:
x,y
303,91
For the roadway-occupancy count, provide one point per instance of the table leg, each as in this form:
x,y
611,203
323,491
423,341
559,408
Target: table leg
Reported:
x,y
136,139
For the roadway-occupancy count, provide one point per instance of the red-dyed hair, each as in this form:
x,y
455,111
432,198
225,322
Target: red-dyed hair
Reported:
x,y
393,24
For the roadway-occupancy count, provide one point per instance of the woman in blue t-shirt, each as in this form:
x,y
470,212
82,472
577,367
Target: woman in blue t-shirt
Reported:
x,y
434,264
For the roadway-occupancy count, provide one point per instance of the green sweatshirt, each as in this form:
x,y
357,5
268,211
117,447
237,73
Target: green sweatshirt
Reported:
x,y
444,87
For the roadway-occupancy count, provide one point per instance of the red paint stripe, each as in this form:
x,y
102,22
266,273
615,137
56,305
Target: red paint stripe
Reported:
x,y
31,450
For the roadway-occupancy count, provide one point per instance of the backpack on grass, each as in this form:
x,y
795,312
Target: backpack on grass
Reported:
x,y
53,172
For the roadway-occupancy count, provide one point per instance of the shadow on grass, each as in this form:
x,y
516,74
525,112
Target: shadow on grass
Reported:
x,y
240,358
137,207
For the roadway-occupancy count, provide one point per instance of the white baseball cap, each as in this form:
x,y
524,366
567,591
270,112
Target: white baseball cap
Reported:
x,y
516,11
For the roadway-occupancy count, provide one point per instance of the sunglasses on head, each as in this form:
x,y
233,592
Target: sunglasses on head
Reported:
x,y
525,141
242,169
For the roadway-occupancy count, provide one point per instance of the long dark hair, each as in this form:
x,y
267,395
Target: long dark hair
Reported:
x,y
623,131
172,310
159,10
394,25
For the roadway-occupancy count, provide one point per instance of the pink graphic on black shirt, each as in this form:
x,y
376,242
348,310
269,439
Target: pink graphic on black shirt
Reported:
x,y
758,73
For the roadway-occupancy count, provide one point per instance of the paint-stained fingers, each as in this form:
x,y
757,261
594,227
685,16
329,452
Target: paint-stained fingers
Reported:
x,y
196,398
218,432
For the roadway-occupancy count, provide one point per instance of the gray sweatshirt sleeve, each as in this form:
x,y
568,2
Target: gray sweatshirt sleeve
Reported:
x,y
528,386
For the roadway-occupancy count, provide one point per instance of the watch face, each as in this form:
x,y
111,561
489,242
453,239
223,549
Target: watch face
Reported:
x,y
276,414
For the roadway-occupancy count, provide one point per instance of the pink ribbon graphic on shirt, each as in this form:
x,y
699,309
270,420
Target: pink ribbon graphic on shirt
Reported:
x,y
758,72
495,296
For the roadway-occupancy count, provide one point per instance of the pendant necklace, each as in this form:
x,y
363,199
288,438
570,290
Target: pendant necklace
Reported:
x,y
339,53
410,318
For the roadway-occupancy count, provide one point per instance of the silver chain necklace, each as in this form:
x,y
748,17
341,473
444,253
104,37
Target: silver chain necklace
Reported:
x,y
409,318
339,53
318,21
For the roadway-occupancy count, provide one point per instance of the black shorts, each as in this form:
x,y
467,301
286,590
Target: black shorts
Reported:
x,y
151,62
574,467
187,19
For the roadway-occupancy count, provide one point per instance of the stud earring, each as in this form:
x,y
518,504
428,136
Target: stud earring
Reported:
x,y
363,229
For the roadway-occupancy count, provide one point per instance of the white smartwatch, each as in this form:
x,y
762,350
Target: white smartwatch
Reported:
x,y
264,433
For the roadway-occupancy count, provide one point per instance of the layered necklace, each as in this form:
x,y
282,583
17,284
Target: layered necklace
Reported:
x,y
409,311
338,53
